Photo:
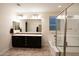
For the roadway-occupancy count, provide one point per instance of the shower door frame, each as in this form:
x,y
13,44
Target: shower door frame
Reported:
x,y
65,31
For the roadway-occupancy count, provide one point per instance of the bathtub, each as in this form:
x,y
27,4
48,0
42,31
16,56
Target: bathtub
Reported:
x,y
53,49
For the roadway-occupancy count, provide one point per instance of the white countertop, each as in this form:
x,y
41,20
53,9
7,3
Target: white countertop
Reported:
x,y
28,34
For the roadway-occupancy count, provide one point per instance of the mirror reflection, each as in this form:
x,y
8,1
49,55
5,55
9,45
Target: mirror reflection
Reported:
x,y
27,25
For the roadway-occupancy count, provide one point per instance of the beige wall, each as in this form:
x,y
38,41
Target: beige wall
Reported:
x,y
47,35
6,13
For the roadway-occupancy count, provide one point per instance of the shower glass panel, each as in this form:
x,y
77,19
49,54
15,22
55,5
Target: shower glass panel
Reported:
x,y
72,47
60,32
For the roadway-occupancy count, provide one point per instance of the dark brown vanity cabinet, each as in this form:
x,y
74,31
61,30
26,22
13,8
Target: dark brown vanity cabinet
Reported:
x,y
26,41
33,42
18,41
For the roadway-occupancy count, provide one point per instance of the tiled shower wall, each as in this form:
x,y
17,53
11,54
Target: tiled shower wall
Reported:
x,y
72,32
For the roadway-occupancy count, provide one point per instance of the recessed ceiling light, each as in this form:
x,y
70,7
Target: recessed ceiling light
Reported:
x,y
59,6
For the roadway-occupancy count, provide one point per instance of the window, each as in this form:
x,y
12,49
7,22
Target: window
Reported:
x,y
52,23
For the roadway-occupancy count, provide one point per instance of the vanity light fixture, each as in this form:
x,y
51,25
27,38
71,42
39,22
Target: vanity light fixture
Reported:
x,y
36,16
21,17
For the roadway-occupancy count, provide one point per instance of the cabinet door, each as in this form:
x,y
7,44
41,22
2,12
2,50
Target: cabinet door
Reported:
x,y
33,42
18,41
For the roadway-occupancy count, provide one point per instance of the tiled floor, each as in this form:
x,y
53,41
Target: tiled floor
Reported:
x,y
28,52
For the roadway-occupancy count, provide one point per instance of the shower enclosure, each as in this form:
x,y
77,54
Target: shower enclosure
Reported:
x,y
67,33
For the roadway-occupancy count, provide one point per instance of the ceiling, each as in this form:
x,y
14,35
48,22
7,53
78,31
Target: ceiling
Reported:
x,y
37,7
41,7
74,8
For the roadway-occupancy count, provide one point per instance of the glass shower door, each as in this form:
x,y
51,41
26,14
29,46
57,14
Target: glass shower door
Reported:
x,y
72,47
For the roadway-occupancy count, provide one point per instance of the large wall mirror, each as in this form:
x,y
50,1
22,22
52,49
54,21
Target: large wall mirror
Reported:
x,y
28,25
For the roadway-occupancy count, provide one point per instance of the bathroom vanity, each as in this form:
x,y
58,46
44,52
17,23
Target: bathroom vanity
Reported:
x,y
27,40
27,33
